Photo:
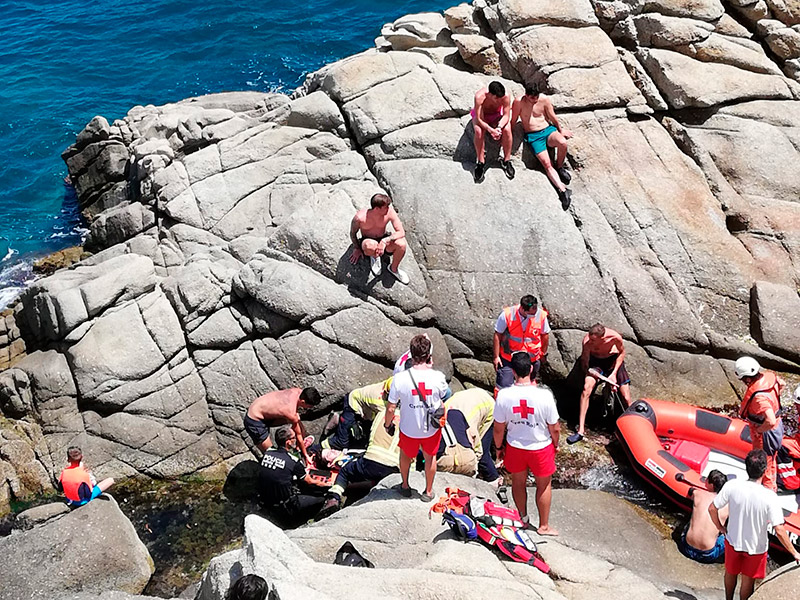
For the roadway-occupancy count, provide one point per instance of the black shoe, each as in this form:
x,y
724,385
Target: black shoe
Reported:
x,y
566,198
480,172
508,168
331,505
564,174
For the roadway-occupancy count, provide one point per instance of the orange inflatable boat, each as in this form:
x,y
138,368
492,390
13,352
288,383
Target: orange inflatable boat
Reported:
x,y
674,446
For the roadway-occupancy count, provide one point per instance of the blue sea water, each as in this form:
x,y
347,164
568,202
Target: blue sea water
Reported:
x,y
64,61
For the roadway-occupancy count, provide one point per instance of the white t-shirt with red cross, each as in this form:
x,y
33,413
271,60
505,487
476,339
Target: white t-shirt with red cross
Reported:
x,y
413,413
527,410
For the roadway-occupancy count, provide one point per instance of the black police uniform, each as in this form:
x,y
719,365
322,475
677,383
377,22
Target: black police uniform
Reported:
x,y
277,476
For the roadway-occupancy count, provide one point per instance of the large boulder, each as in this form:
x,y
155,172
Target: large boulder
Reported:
x,y
93,549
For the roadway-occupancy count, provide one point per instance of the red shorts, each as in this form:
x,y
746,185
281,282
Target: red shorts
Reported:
x,y
542,463
430,445
751,565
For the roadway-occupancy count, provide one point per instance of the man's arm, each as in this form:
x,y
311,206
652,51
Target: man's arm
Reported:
x,y
545,343
397,225
478,117
620,358
299,433
506,118
496,351
550,116
516,109
713,511
355,227
555,433
585,356
499,434
389,417
783,537
311,481
769,421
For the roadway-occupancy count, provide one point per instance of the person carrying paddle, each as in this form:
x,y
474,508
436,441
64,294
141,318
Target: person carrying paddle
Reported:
x,y
603,351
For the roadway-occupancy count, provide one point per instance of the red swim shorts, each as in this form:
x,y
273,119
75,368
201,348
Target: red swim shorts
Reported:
x,y
751,565
542,463
429,445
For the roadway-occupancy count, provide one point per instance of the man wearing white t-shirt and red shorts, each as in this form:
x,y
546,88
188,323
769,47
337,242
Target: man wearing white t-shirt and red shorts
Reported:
x,y
416,431
752,507
527,416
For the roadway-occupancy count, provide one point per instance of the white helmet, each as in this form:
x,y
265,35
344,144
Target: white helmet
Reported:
x,y
797,395
746,366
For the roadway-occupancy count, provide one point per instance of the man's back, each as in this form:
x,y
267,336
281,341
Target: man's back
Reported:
x,y
278,407
752,507
413,412
277,474
702,533
527,410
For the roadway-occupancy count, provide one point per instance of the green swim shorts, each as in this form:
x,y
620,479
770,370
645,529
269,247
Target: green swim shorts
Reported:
x,y
538,139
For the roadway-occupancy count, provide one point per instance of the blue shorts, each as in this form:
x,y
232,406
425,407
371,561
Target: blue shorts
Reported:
x,y
703,556
538,139
96,491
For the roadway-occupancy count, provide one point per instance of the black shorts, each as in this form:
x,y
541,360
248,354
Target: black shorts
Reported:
x,y
606,366
258,430
377,239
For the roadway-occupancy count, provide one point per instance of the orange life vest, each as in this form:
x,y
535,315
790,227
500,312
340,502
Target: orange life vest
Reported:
x,y
76,483
517,339
768,384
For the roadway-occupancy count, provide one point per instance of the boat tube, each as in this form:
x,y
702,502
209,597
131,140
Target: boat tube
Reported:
x,y
674,446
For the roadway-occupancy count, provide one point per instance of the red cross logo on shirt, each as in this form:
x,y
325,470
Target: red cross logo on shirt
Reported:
x,y
523,410
425,391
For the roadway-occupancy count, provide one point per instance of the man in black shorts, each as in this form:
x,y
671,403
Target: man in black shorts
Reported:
x,y
604,351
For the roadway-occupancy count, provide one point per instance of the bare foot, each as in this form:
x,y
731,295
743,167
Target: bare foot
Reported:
x,y
547,531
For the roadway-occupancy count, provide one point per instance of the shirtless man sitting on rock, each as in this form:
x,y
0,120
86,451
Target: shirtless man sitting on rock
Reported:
x,y
700,540
492,115
279,408
375,241
542,129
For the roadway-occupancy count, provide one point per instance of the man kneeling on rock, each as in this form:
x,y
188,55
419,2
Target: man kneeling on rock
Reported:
x,y
375,241
542,130
78,482
492,115
278,475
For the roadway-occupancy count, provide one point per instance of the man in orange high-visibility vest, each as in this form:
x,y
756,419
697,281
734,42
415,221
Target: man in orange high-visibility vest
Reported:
x,y
520,328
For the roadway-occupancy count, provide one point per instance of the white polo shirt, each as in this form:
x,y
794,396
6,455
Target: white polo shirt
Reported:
x,y
527,410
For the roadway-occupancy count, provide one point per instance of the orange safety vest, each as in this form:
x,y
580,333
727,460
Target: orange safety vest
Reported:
x,y
517,339
770,384
76,483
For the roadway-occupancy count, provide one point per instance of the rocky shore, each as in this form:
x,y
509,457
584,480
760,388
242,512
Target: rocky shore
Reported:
x,y
219,230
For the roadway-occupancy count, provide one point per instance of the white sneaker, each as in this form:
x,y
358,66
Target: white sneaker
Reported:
x,y
400,275
375,265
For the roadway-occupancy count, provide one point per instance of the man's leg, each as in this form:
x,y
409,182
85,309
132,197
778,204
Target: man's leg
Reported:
x,y
747,587
480,142
340,438
486,467
770,480
405,467
506,141
559,142
550,170
588,386
519,492
306,507
265,444
430,472
398,251
505,376
730,585
105,484
625,392
544,497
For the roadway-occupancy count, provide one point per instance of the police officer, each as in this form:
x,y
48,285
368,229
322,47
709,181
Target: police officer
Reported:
x,y
278,475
